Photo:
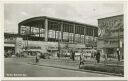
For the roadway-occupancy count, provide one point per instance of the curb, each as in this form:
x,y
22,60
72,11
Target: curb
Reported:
x,y
99,72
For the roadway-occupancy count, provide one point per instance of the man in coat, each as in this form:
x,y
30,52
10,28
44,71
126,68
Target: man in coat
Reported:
x,y
98,56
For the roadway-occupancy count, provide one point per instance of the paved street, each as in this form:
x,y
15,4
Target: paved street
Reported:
x,y
18,66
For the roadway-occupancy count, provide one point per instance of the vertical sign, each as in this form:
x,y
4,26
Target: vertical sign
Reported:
x,y
18,45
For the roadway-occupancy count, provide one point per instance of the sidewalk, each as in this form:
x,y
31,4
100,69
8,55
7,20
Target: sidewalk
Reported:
x,y
60,63
74,65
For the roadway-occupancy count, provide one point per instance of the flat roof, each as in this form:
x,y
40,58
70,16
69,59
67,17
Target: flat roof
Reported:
x,y
111,16
52,18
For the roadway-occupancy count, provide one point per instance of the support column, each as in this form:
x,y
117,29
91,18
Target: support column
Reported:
x,y
30,31
74,34
19,29
93,37
80,34
46,29
55,35
93,33
61,31
39,29
84,36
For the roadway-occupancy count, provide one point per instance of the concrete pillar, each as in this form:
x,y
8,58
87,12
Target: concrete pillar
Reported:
x,y
93,32
61,31
30,30
93,37
74,34
39,29
46,29
84,35
55,35
19,29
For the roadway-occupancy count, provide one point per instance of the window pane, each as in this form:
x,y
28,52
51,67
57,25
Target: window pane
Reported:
x,y
65,35
25,30
71,37
51,34
42,32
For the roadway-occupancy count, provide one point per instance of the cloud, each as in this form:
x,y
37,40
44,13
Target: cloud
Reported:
x,y
24,13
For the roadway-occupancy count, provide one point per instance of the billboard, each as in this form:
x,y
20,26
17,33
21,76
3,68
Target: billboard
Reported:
x,y
110,26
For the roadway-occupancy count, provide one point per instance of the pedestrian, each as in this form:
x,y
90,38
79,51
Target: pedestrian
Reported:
x,y
58,54
98,56
105,58
16,55
81,58
92,54
37,57
73,55
118,54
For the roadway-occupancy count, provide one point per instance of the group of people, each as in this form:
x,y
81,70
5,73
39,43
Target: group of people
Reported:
x,y
96,56
8,53
71,56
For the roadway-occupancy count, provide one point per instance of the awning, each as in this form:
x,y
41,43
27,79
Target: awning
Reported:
x,y
9,45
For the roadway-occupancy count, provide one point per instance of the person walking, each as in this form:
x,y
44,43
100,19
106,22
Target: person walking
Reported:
x,y
98,56
81,58
58,54
73,55
105,58
37,57
118,54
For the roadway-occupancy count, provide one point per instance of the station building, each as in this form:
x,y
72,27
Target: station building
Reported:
x,y
47,34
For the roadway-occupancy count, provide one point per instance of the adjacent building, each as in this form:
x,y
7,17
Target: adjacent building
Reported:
x,y
111,36
9,43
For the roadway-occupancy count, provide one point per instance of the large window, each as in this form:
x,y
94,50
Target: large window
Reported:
x,y
96,32
58,35
79,34
42,32
35,31
54,30
25,30
71,31
65,32
51,31
86,39
77,38
65,36
82,39
71,37
89,31
51,34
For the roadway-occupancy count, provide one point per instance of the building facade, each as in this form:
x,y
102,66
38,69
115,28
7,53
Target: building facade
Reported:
x,y
54,30
111,35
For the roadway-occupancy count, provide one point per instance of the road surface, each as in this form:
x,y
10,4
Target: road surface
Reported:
x,y
18,67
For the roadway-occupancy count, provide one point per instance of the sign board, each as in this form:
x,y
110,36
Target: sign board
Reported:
x,y
18,45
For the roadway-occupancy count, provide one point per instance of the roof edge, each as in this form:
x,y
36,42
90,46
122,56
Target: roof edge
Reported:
x,y
59,19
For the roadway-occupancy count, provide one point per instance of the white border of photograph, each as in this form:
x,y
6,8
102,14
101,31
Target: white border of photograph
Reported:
x,y
58,78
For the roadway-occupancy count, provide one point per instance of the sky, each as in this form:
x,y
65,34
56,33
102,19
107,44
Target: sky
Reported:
x,y
80,11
